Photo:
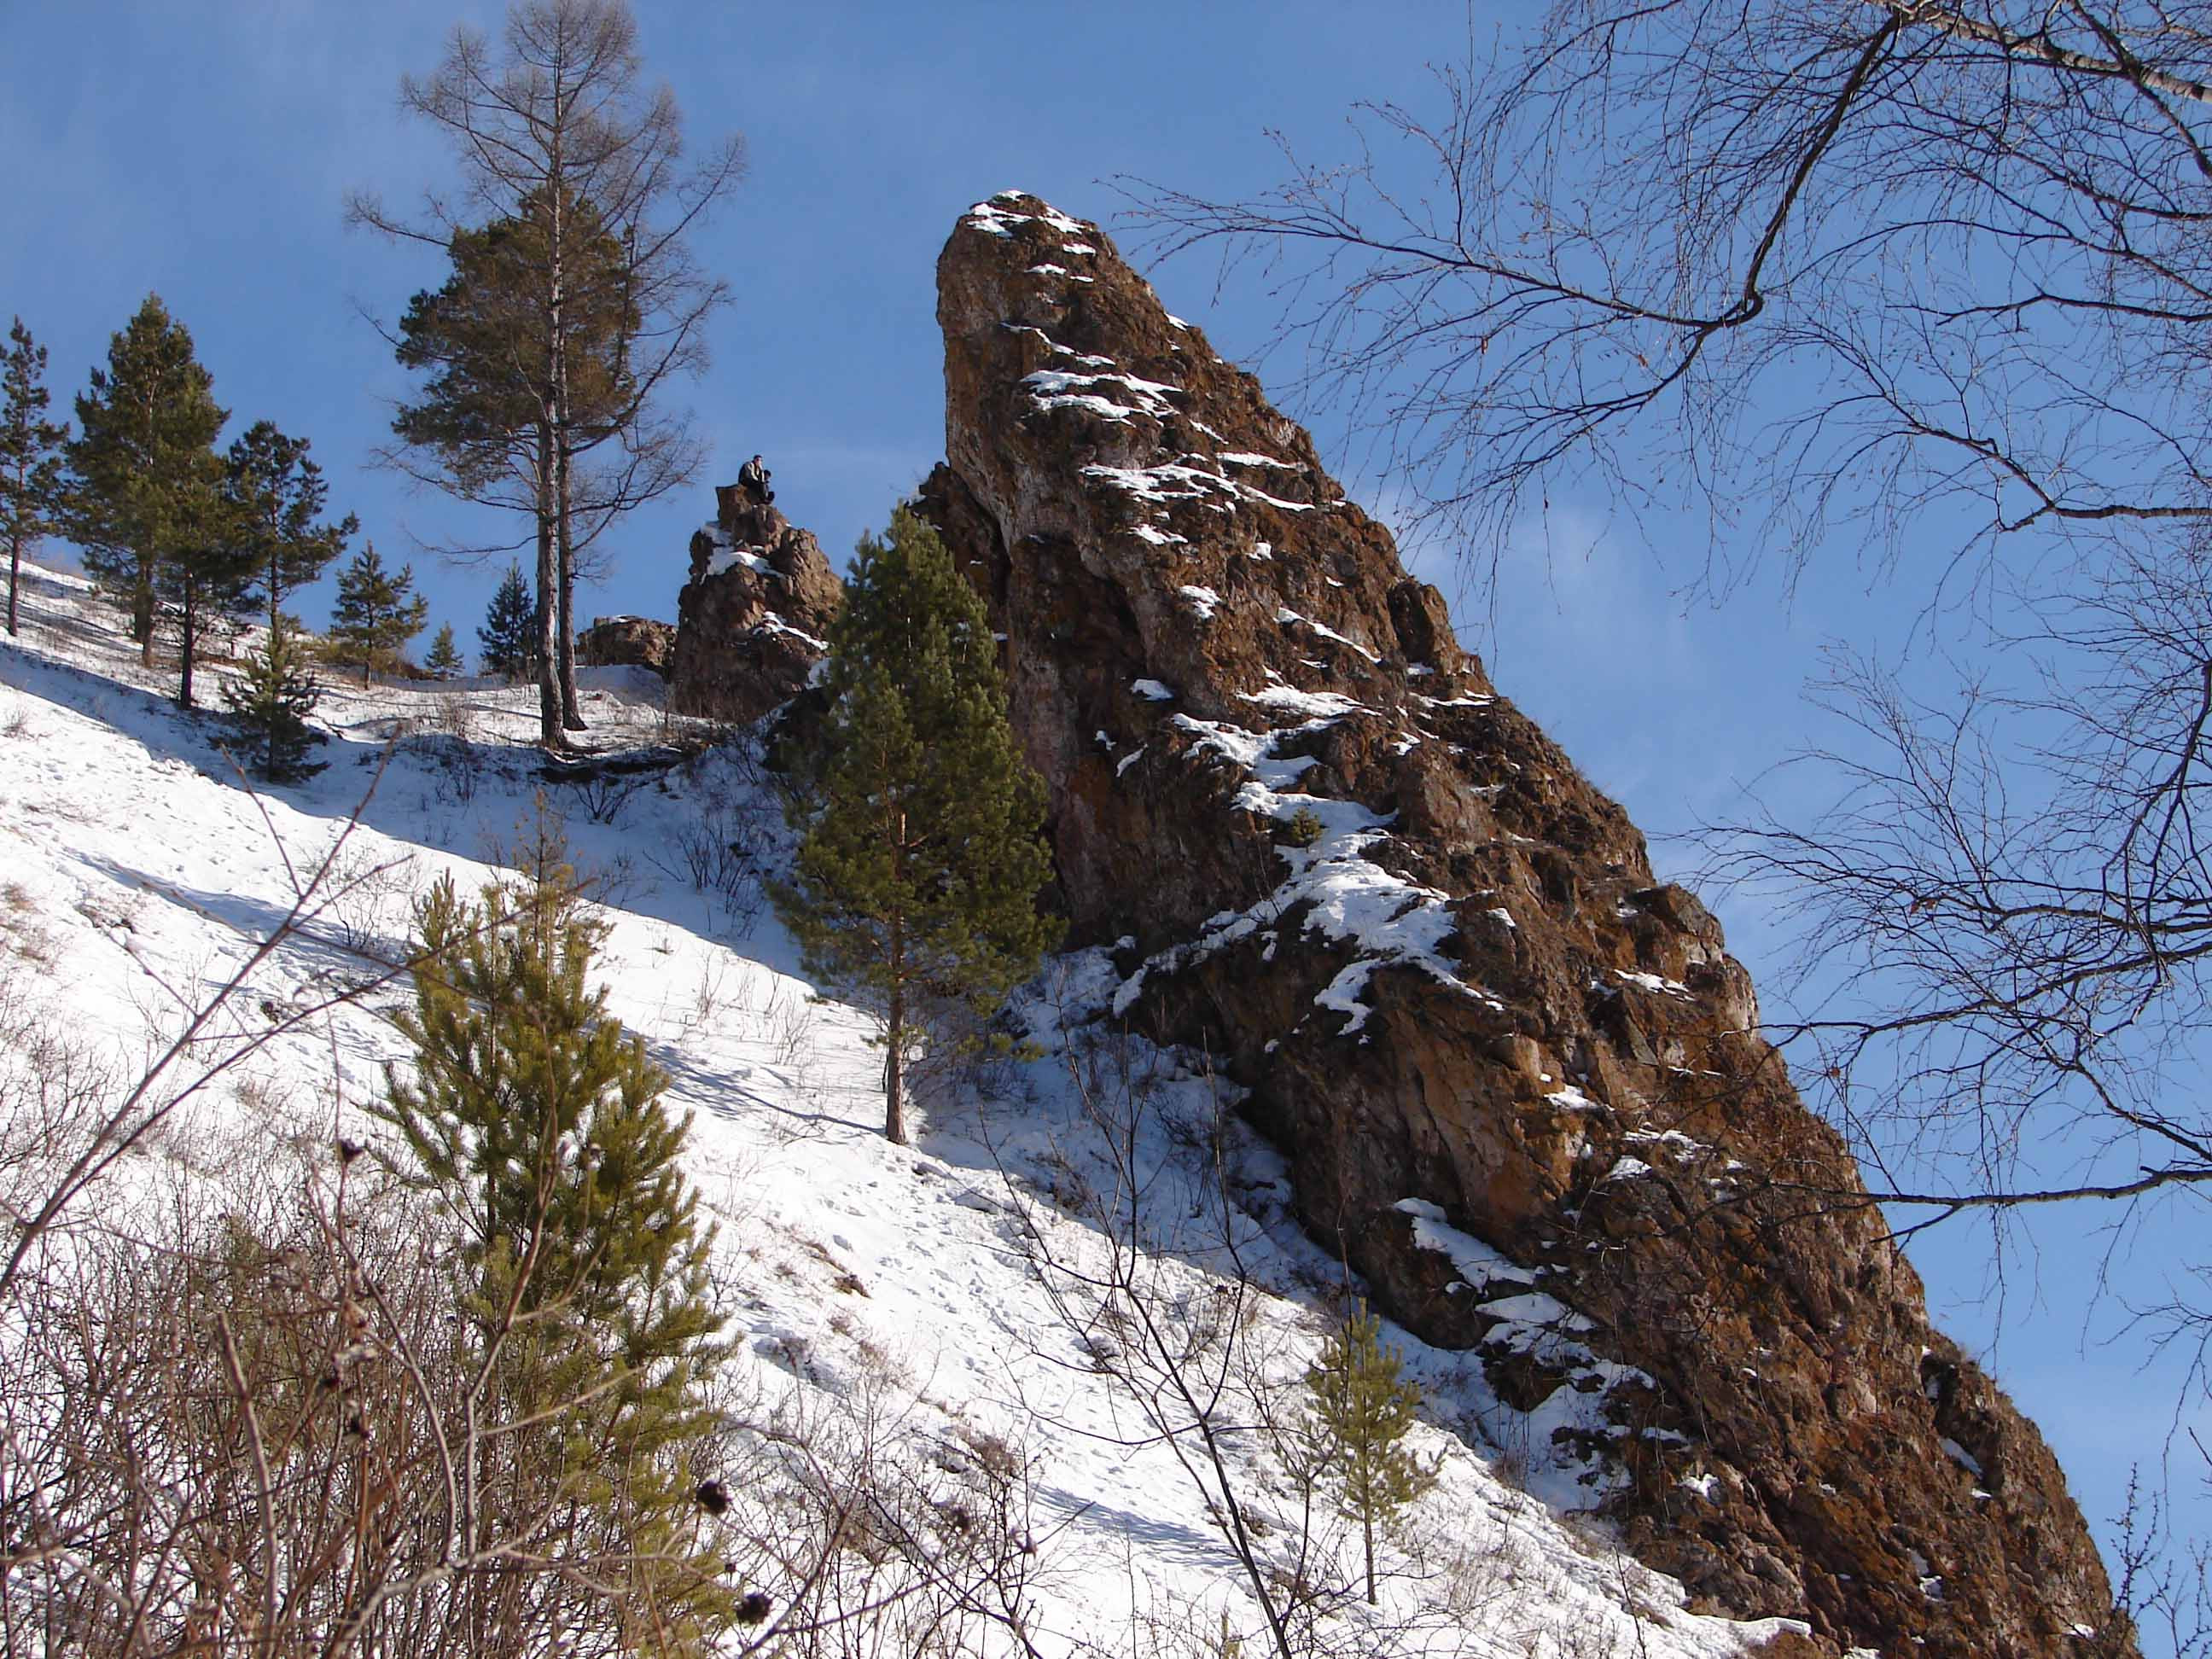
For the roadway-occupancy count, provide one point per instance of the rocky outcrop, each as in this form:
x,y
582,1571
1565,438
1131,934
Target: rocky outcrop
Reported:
x,y
627,641
1518,1080
751,620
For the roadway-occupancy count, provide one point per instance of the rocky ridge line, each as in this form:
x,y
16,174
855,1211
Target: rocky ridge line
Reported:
x,y
1518,1081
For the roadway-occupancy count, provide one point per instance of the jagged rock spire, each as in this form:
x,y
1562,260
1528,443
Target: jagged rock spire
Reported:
x,y
750,621
1519,1082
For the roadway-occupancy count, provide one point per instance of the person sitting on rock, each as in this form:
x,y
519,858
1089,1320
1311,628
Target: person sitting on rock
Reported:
x,y
753,478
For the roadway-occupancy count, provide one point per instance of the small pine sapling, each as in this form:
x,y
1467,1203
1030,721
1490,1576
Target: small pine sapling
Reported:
x,y
377,612
1358,1410
539,1119
271,701
507,642
444,658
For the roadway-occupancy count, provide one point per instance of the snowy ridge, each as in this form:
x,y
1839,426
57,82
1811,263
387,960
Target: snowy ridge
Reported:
x,y
138,872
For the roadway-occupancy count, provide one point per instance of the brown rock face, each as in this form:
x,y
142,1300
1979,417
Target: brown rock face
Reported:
x,y
1518,1080
627,641
750,620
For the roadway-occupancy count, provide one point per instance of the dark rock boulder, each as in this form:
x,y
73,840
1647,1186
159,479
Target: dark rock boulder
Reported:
x,y
1518,1080
627,641
752,618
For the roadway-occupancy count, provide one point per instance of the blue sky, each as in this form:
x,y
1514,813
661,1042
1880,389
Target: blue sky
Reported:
x,y
203,151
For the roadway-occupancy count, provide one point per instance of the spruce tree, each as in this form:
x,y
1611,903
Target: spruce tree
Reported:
x,y
1357,1413
377,612
914,890
143,470
444,657
509,639
271,701
30,456
538,1118
279,494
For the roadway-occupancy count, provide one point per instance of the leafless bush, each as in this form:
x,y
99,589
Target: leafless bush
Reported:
x,y
369,902
449,742
605,792
787,1026
862,1537
723,846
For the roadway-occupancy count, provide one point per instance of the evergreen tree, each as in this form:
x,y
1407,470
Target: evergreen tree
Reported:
x,y
539,1119
30,456
509,639
914,889
279,494
271,702
516,386
206,578
143,470
378,611
444,658
1357,1413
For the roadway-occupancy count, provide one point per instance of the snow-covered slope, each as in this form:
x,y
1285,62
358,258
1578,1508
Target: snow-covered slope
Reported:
x,y
948,1292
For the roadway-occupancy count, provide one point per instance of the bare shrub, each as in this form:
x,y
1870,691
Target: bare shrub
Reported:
x,y
369,902
723,847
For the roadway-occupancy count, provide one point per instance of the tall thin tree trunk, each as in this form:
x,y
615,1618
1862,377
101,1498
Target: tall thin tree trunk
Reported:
x,y
189,639
1367,1529
894,1067
16,541
549,732
572,713
572,716
894,1059
143,611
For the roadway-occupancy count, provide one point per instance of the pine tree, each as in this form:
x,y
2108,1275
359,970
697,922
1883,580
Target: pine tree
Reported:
x,y
143,470
30,456
271,702
378,611
914,889
1357,1413
279,494
508,640
207,575
444,658
539,1119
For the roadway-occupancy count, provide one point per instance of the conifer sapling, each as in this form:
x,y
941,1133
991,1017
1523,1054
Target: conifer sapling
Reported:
x,y
538,1118
377,612
1357,1411
914,889
444,657
507,642
272,700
